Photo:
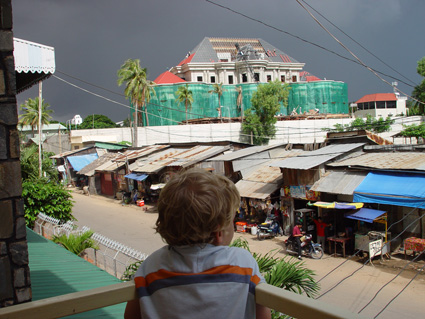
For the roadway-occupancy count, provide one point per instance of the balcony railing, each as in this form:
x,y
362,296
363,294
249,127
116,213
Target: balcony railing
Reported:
x,y
284,301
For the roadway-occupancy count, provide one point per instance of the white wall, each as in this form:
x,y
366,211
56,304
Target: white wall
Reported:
x,y
304,131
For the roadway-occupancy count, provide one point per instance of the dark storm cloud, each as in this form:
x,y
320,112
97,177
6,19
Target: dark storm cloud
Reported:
x,y
93,38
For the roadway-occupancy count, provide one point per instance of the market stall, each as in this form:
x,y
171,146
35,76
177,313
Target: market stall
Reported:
x,y
373,240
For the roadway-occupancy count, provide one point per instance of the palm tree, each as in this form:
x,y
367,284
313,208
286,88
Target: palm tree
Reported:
x,y
185,95
287,273
76,243
218,89
239,101
29,114
137,89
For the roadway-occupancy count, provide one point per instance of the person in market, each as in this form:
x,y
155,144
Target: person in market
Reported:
x,y
297,234
320,231
197,275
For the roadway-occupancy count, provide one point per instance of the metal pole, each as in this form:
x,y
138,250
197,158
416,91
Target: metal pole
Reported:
x,y
40,101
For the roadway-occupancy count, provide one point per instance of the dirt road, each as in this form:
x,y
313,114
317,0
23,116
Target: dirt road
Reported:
x,y
133,227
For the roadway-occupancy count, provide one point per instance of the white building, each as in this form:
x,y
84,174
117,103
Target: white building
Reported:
x,y
237,60
381,105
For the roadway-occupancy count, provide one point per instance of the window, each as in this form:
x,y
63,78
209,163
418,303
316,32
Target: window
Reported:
x,y
257,77
244,78
391,104
269,78
213,79
199,78
282,78
360,106
230,79
380,105
294,78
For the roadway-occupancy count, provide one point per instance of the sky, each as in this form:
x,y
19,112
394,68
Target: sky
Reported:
x,y
92,39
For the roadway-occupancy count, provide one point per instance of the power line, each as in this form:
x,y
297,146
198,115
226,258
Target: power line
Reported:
x,y
301,39
371,53
357,58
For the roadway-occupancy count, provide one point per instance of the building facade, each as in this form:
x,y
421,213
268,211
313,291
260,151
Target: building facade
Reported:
x,y
381,104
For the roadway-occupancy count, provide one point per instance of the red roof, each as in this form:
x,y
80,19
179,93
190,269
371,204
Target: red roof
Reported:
x,y
168,78
187,60
378,97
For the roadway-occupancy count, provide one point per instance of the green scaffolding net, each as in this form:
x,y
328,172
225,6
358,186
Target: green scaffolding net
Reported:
x,y
164,109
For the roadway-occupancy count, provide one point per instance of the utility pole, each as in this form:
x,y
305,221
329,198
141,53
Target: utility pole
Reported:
x,y
40,101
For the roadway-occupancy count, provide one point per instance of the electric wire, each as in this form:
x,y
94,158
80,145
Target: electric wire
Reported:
x,y
355,56
396,296
367,261
359,44
390,281
299,38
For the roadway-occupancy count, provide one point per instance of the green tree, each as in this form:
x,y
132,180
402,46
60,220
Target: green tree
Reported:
x,y
50,198
29,164
260,119
30,116
414,130
218,89
370,124
419,90
96,121
76,243
185,95
135,78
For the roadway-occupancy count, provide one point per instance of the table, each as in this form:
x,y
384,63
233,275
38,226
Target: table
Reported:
x,y
337,240
415,244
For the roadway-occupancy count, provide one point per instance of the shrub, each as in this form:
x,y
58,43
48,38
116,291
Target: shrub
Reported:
x,y
45,197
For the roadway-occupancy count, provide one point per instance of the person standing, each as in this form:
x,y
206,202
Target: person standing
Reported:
x,y
296,233
320,231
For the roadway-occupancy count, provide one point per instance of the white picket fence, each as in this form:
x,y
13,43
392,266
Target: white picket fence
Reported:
x,y
111,255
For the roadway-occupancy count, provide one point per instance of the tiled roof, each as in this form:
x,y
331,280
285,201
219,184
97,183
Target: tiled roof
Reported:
x,y
378,97
168,78
209,49
308,77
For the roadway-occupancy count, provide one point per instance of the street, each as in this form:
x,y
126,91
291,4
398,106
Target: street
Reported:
x,y
133,227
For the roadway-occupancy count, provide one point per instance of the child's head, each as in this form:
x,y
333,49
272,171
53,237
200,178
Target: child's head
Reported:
x,y
193,205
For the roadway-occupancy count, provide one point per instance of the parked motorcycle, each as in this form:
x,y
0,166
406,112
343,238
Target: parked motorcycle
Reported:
x,y
308,247
269,229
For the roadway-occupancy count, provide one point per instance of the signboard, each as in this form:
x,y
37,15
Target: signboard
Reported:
x,y
301,191
375,248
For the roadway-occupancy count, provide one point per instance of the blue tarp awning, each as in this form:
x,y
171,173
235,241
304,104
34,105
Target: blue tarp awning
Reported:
x,y
399,189
366,215
80,161
136,177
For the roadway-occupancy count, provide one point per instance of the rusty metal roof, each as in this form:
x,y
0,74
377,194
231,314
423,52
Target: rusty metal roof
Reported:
x,y
256,190
134,154
382,160
177,157
339,182
230,156
315,158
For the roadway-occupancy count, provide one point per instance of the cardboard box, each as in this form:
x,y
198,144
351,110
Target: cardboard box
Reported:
x,y
241,227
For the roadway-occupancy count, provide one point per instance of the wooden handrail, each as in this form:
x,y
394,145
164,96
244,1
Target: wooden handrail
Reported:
x,y
279,299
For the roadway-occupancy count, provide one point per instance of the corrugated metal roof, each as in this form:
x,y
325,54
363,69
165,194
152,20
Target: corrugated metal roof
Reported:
x,y
315,158
244,152
110,166
382,160
56,271
264,174
68,153
339,182
155,162
134,154
252,162
89,170
197,154
256,190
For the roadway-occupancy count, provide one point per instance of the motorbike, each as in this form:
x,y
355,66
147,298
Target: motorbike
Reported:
x,y
269,229
308,247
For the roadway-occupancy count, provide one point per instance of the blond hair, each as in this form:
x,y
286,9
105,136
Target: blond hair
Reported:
x,y
194,204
